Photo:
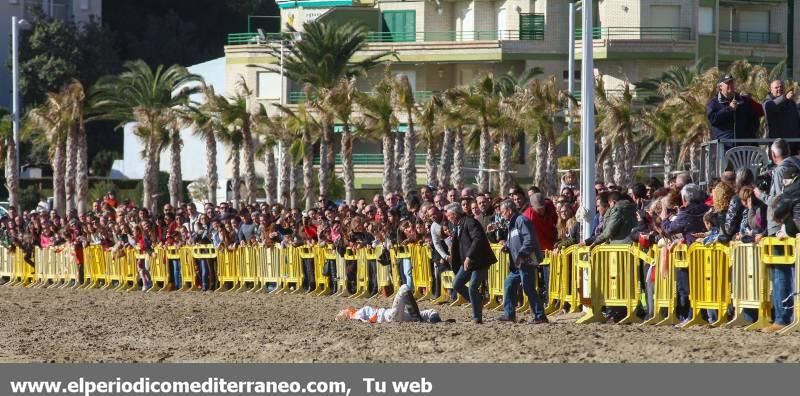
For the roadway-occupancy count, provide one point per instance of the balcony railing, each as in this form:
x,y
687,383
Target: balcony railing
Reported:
x,y
298,97
252,38
638,33
480,35
733,36
470,160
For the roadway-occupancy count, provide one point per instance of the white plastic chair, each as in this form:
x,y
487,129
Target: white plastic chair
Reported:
x,y
747,157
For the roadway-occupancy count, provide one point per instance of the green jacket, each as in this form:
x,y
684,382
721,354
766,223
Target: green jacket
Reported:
x,y
619,222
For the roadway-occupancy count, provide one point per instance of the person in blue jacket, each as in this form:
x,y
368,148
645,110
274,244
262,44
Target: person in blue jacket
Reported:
x,y
733,115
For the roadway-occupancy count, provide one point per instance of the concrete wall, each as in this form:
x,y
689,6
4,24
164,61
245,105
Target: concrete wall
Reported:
x,y
81,11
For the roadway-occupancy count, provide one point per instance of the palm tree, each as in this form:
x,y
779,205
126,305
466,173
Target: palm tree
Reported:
x,y
175,185
12,171
482,101
404,99
426,116
380,121
149,98
453,119
320,59
232,137
262,126
541,102
51,120
303,123
206,125
339,102
235,111
616,123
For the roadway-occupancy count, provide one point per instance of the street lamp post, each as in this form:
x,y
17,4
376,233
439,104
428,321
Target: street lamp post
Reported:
x,y
571,71
587,120
16,25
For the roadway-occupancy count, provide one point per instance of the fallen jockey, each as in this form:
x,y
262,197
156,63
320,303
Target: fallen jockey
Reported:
x,y
404,309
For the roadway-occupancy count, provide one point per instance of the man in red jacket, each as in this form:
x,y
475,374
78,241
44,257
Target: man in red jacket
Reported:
x,y
542,213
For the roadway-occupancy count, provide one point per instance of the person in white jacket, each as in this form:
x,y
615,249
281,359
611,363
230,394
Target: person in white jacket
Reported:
x,y
404,309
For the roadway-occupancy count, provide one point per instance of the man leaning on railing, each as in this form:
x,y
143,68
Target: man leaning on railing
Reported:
x,y
732,115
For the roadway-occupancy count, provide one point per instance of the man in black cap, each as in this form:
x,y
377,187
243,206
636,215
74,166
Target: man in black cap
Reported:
x,y
732,115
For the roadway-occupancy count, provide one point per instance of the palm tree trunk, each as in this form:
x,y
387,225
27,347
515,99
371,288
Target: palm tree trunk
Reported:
x,y
552,181
399,150
249,164
326,163
269,175
506,145
71,172
630,158
389,164
59,170
236,178
308,169
484,156
430,164
618,157
668,160
82,168
150,178
347,163
283,165
693,160
211,169
293,184
175,174
608,169
457,177
446,159
410,163
12,174
540,150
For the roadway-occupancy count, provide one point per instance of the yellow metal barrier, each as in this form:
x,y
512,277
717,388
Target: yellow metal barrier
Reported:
x,y
189,272
664,284
291,271
525,307
497,278
776,251
447,278
750,284
614,282
227,269
322,284
22,272
269,268
364,255
45,268
709,281
65,267
248,268
421,272
341,272
6,263
399,252
209,254
561,290
94,268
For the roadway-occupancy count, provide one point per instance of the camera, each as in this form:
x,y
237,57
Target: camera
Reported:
x,y
500,225
764,181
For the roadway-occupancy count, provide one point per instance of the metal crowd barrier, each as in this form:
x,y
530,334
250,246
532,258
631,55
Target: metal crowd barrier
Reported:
x,y
580,279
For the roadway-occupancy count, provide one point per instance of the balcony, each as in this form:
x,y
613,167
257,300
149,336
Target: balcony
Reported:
x,y
638,33
733,36
298,97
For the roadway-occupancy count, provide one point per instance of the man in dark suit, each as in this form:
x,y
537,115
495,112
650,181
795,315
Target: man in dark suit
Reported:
x,y
471,255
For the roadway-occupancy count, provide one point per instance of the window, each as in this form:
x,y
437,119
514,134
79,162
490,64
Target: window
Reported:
x,y
665,16
705,23
269,85
399,26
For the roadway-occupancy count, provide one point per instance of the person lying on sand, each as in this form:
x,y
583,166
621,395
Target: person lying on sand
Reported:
x,y
404,309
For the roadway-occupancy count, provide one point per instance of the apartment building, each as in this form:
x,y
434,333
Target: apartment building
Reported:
x,y
67,10
445,43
